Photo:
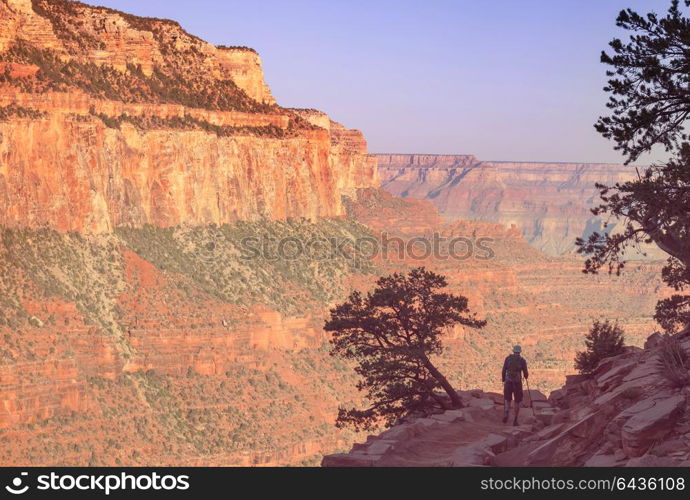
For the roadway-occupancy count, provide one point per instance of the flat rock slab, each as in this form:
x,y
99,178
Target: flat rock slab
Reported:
x,y
469,456
654,420
400,432
426,423
614,373
450,416
483,403
380,447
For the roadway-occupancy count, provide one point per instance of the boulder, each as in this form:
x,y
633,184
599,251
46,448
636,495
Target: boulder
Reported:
x,y
654,420
495,397
533,396
475,413
556,396
472,393
653,340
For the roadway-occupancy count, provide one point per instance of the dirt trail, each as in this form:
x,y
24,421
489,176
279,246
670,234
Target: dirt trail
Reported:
x,y
437,446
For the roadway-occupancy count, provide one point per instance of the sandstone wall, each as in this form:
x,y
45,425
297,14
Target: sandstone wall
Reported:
x,y
75,175
67,169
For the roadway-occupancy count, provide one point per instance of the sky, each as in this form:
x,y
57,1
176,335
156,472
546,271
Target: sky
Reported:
x,y
502,79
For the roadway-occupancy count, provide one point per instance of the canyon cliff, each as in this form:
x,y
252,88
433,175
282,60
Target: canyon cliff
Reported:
x,y
109,119
548,202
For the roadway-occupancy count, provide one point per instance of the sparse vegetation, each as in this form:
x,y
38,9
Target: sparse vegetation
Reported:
x,y
212,257
187,122
603,341
14,111
166,85
236,47
675,364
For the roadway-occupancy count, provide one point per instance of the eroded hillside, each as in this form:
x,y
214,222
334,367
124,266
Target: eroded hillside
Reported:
x,y
167,345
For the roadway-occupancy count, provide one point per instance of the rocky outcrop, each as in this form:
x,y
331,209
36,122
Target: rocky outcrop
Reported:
x,y
627,414
243,66
549,202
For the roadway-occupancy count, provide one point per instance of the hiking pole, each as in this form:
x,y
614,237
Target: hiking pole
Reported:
x,y
529,393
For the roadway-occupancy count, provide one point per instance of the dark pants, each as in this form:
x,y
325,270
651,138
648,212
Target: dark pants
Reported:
x,y
512,390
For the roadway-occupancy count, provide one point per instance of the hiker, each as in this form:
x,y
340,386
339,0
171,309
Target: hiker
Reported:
x,y
513,368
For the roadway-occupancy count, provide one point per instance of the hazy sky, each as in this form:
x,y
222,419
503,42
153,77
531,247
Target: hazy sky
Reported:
x,y
502,79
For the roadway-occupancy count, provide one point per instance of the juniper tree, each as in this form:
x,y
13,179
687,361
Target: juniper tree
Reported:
x,y
649,89
392,333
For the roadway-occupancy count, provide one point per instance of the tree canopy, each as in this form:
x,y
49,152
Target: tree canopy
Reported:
x,y
391,333
649,99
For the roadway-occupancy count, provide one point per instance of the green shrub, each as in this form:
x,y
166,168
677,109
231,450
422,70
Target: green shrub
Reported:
x,y
603,341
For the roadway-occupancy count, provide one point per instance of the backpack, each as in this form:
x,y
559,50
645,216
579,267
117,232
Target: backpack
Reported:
x,y
514,368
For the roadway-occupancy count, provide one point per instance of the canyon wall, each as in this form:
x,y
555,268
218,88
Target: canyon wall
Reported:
x,y
153,125
549,202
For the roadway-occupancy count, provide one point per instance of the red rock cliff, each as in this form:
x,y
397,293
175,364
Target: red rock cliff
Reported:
x,y
110,119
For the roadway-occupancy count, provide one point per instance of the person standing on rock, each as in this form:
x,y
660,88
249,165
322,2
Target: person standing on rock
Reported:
x,y
514,367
